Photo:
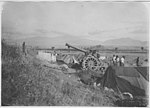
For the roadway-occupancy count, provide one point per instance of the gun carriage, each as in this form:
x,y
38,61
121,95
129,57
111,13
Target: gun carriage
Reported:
x,y
90,60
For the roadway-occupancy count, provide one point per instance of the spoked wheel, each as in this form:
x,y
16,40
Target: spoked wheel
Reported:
x,y
90,63
95,65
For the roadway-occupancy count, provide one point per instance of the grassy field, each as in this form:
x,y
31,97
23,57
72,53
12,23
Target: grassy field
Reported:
x,y
26,82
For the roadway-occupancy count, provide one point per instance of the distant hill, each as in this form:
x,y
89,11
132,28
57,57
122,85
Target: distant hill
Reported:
x,y
124,42
46,42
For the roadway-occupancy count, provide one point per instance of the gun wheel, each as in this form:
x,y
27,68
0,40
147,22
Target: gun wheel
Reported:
x,y
90,63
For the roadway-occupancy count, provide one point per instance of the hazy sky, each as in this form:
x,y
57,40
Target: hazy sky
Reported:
x,y
92,20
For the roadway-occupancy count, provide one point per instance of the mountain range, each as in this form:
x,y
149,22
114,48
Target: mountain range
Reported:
x,y
60,41
125,42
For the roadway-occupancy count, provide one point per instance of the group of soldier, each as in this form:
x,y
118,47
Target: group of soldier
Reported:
x,y
117,61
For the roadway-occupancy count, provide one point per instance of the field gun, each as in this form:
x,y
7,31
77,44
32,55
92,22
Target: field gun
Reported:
x,y
81,50
91,60
70,46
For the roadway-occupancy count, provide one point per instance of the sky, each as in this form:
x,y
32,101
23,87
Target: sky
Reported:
x,y
91,20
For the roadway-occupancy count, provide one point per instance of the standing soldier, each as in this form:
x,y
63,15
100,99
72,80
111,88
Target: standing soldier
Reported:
x,y
94,53
117,60
114,60
137,61
24,48
122,61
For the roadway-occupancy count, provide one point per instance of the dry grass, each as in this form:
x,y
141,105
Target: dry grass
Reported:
x,y
25,82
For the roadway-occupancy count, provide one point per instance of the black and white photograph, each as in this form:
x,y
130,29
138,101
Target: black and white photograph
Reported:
x,y
75,53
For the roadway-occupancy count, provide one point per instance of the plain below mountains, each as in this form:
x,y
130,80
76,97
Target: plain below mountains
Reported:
x,y
47,42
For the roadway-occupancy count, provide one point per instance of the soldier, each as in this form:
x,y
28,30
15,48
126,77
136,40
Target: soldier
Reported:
x,y
122,61
98,55
117,60
114,59
94,52
24,48
137,61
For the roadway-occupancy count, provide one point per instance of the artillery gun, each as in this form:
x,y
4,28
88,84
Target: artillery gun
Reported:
x,y
91,60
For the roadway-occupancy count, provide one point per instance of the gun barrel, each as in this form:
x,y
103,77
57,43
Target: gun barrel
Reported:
x,y
75,48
